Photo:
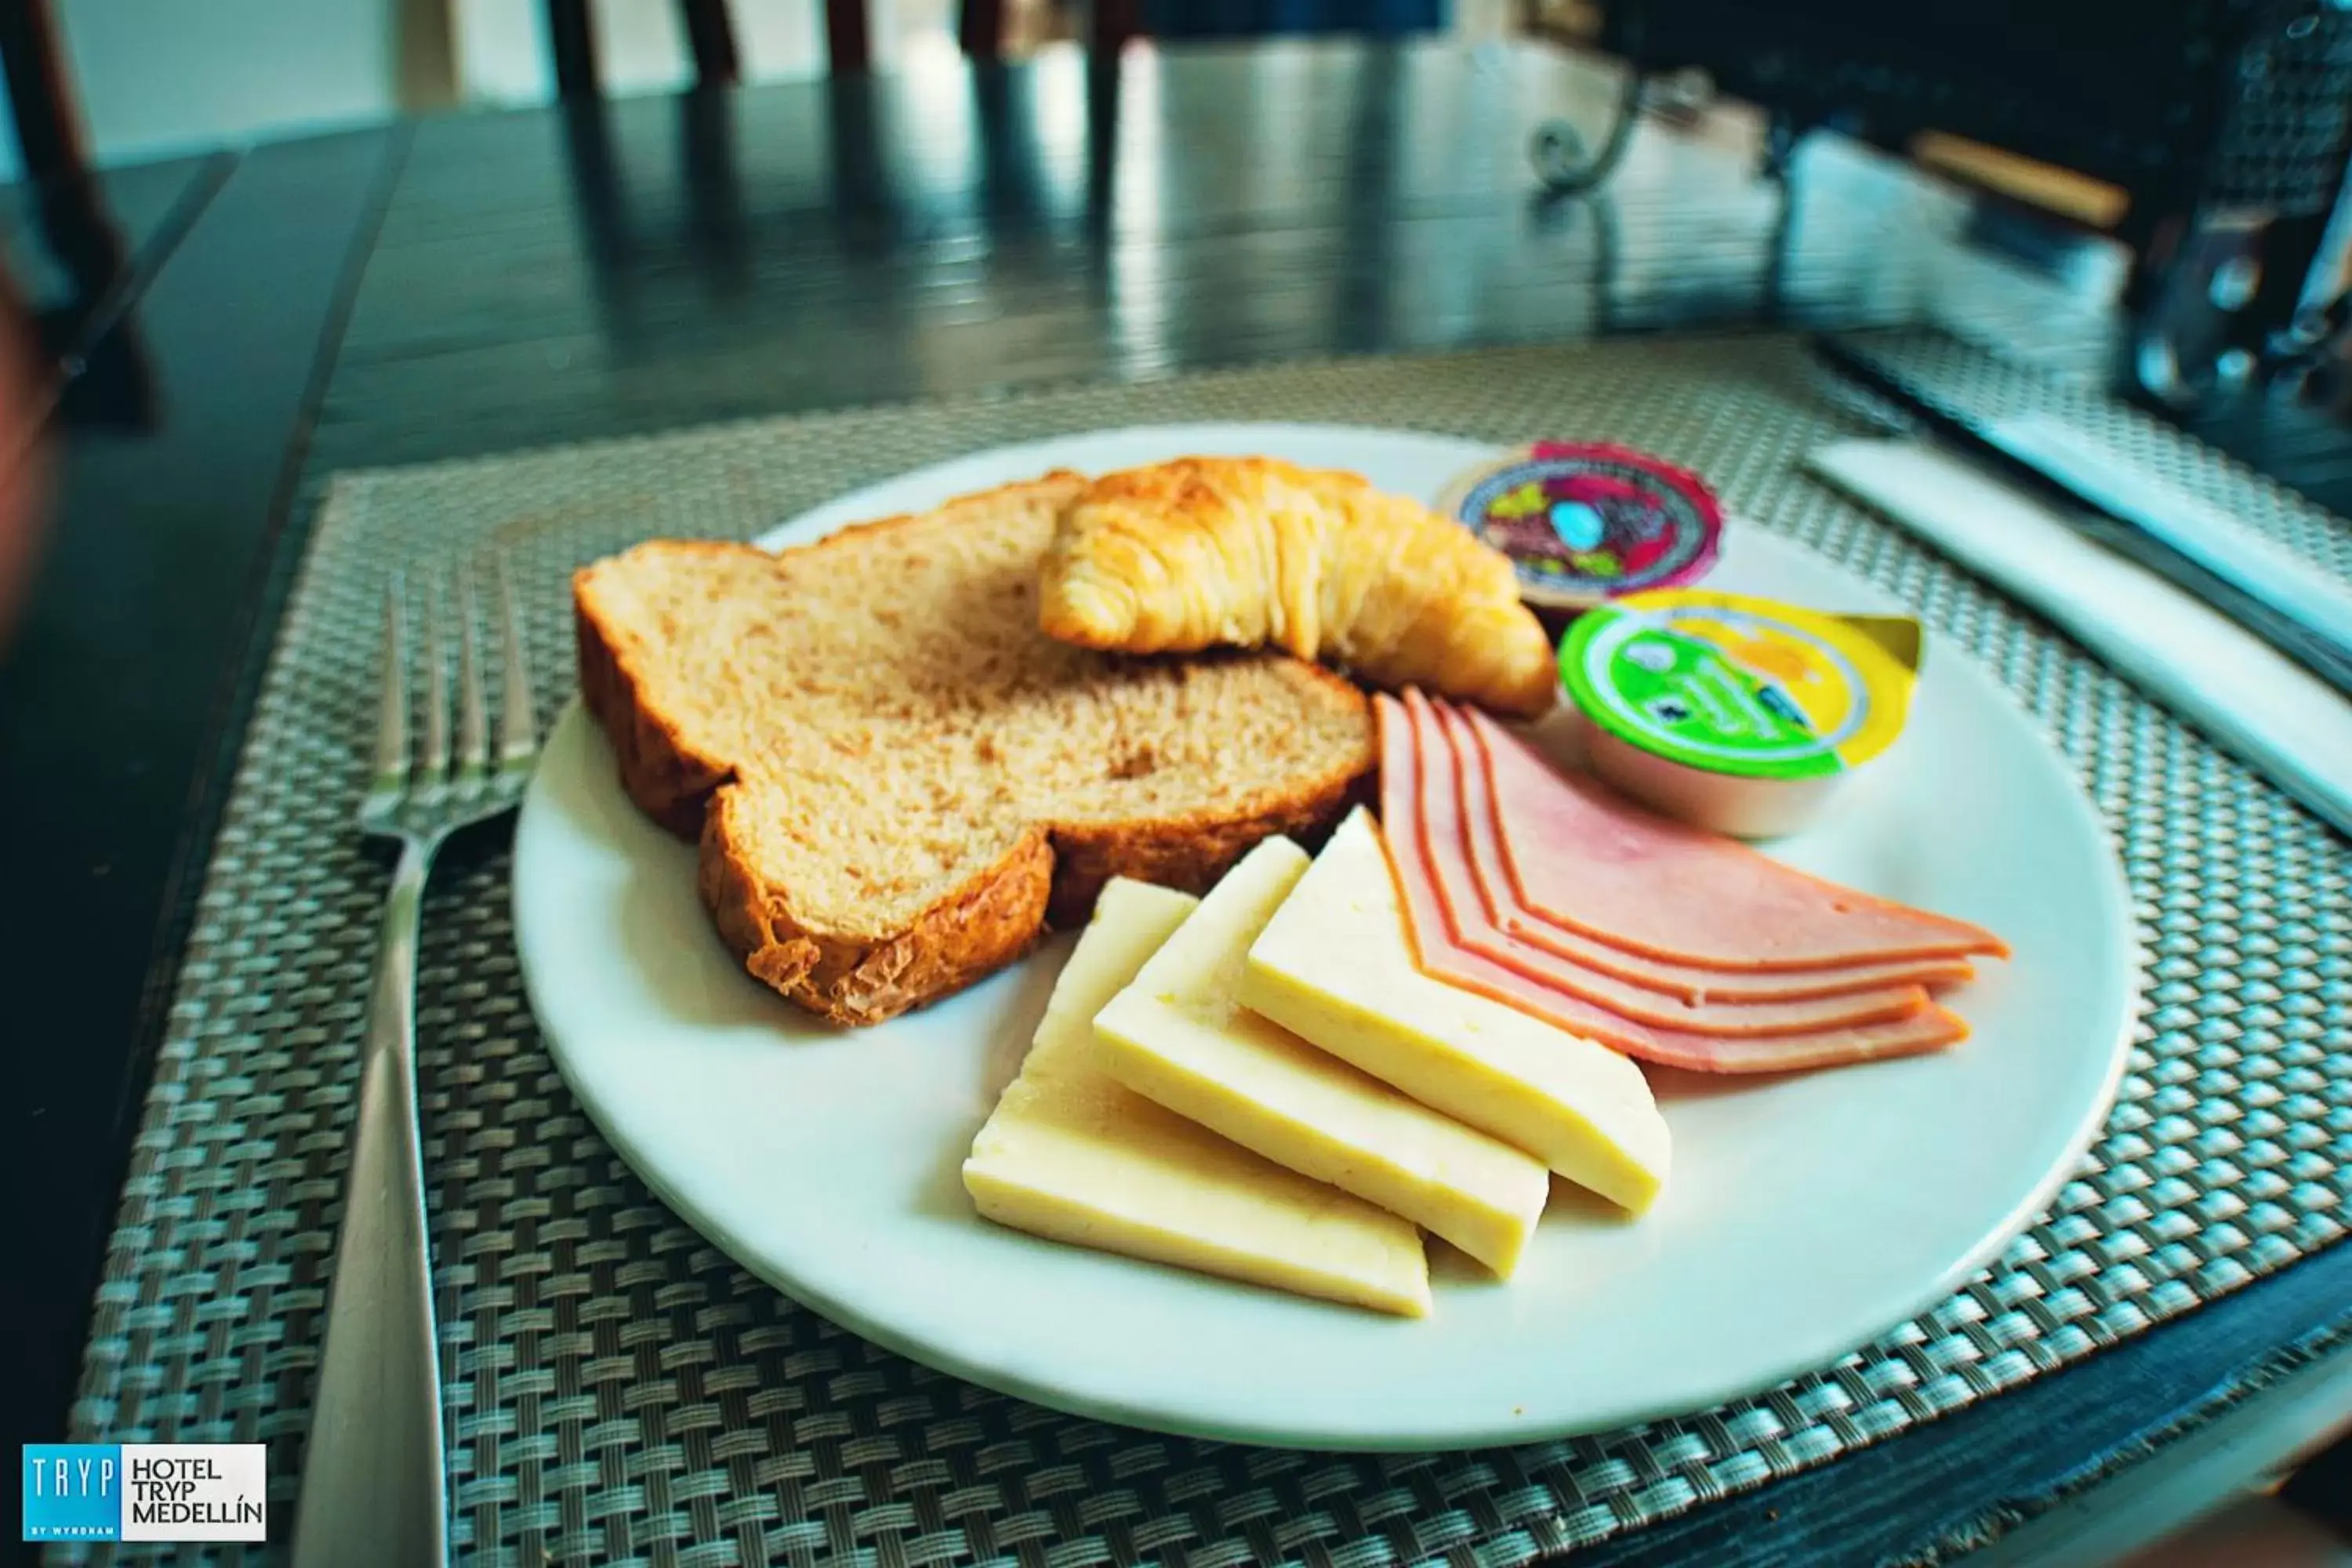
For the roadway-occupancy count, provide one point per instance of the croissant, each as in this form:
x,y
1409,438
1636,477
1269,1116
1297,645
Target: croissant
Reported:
x,y
1250,552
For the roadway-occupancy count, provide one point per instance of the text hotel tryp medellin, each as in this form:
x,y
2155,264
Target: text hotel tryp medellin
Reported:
x,y
145,1491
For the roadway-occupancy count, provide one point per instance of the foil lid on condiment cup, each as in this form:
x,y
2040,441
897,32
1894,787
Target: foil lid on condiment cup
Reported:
x,y
1738,715
1584,523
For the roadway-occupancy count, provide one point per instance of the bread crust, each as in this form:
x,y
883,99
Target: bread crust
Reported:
x,y
1050,877
1190,853
661,773
981,927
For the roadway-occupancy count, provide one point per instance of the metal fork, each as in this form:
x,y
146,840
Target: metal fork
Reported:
x,y
374,1482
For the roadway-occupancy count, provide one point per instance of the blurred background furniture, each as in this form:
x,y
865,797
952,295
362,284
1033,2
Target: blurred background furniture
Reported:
x,y
69,270
710,36
41,100
2210,136
1269,18
1107,25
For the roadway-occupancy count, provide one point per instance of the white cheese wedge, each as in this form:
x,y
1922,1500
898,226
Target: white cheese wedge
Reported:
x,y
1177,1036
1336,966
1071,1155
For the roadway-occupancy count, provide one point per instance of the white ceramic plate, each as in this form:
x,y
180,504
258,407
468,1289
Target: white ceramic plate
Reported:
x,y
1804,1216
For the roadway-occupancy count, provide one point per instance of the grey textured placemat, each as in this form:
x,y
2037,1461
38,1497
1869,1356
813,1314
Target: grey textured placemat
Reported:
x,y
622,1392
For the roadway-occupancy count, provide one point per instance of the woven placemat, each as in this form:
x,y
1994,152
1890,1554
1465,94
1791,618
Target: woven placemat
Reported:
x,y
621,1392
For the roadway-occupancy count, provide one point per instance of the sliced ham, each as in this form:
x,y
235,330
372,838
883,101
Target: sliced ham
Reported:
x,y
1585,859
1438,809
1416,871
1683,982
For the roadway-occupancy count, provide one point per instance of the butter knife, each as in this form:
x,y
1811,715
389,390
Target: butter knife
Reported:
x,y
2303,613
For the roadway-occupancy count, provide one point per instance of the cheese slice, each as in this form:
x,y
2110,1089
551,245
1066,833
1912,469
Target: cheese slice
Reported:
x,y
1177,1036
1336,966
1071,1155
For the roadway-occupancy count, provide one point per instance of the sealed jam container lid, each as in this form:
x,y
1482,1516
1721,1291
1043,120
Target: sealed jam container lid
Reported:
x,y
1585,523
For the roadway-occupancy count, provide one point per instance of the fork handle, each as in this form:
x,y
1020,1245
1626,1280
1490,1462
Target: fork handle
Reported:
x,y
374,1486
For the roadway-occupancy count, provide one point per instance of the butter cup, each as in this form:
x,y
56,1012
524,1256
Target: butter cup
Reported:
x,y
1740,715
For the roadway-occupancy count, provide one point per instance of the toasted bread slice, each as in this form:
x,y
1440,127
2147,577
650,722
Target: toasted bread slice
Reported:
x,y
899,781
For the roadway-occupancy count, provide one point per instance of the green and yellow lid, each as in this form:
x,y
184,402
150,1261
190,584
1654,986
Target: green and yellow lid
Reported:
x,y
1702,702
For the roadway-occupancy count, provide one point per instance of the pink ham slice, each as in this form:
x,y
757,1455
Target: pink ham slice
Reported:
x,y
1438,808
1443,959
1584,859
1683,981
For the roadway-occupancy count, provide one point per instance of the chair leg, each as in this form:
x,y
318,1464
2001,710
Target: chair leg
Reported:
x,y
712,36
1116,21
980,28
846,38
572,40
40,94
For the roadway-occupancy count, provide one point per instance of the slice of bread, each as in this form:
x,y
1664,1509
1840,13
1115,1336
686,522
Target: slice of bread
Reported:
x,y
899,781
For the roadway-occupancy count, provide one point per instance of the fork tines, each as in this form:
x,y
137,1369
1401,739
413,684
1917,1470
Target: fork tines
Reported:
x,y
424,777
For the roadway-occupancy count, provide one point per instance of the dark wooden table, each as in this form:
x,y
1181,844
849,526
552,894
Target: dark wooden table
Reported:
x,y
470,284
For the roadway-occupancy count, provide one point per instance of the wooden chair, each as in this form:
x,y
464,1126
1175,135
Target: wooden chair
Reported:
x,y
710,37
96,369
572,39
49,140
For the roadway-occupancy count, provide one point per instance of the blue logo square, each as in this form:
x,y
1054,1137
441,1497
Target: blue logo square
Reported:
x,y
73,1491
